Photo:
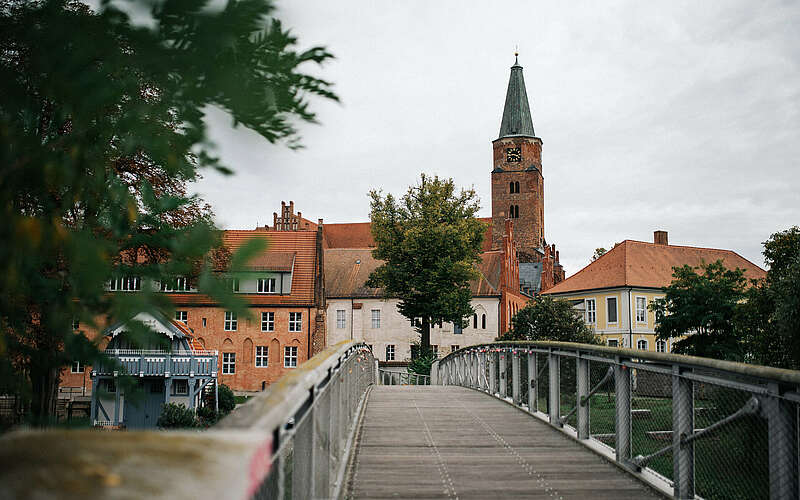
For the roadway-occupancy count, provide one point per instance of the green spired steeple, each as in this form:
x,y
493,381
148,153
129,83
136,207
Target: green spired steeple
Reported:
x,y
517,119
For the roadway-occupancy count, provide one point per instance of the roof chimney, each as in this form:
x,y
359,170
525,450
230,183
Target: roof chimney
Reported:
x,y
660,238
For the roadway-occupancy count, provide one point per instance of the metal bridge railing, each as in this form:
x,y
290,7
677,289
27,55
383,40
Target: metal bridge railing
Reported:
x,y
388,377
692,427
291,441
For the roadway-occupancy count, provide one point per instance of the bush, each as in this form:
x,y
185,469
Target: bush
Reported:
x,y
207,416
227,401
176,416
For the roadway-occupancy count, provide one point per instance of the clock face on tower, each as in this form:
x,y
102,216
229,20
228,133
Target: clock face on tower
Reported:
x,y
513,155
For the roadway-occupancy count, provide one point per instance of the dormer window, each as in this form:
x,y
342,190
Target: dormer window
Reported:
x,y
175,285
233,283
266,285
125,284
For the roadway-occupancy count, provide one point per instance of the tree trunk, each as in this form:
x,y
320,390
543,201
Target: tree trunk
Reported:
x,y
425,341
44,388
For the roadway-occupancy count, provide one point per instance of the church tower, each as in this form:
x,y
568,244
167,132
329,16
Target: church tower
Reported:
x,y
517,182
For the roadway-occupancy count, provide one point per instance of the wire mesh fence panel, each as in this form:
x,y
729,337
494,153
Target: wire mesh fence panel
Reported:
x,y
543,383
322,444
732,461
651,419
568,390
524,386
602,404
302,458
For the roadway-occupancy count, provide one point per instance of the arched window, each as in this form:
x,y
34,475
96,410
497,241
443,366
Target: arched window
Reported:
x,y
511,188
641,344
661,346
513,212
516,187
483,321
475,320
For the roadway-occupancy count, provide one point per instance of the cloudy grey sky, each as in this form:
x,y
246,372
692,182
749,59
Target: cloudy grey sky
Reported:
x,y
681,115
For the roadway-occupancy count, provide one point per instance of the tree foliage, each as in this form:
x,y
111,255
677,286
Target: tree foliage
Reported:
x,y
705,304
770,320
545,318
429,242
101,128
598,252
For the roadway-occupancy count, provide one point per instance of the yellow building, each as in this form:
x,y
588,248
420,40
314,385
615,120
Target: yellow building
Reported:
x,y
614,292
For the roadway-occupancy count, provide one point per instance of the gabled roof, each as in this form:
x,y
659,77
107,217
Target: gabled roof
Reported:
x,y
157,321
272,261
516,112
350,235
648,265
347,271
299,246
359,235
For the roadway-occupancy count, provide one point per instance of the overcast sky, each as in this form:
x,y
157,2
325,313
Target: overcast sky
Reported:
x,y
681,116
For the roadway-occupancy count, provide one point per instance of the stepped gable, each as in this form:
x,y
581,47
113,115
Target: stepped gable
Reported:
x,y
648,265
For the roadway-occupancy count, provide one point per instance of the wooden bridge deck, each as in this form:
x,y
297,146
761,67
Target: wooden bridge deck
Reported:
x,y
451,442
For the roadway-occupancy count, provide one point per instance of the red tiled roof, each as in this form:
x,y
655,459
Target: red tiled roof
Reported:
x,y
641,264
194,344
358,235
347,271
272,261
350,235
301,245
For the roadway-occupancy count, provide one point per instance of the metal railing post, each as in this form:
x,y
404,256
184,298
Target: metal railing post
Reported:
x,y
682,425
515,377
583,397
622,389
554,402
476,365
782,443
492,372
533,384
502,359
482,371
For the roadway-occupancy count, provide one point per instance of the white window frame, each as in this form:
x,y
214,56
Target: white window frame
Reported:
x,y
295,322
266,285
231,323
290,356
267,321
234,284
341,318
435,349
390,352
591,312
179,389
182,316
616,309
454,348
646,344
125,284
662,346
615,341
181,285
76,323
228,363
644,310
262,356
77,367
375,316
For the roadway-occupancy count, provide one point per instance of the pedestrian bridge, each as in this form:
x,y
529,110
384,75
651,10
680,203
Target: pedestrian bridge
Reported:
x,y
527,420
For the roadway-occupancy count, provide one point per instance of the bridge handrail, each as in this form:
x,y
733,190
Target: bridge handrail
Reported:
x,y
281,443
746,422
748,370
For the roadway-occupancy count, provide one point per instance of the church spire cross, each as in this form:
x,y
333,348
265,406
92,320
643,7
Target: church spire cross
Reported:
x,y
517,119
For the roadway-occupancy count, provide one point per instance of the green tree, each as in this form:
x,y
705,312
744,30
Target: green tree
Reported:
x,y
545,318
101,128
706,306
598,252
429,242
770,319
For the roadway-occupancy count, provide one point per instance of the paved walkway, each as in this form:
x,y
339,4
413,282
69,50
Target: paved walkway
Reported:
x,y
451,442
